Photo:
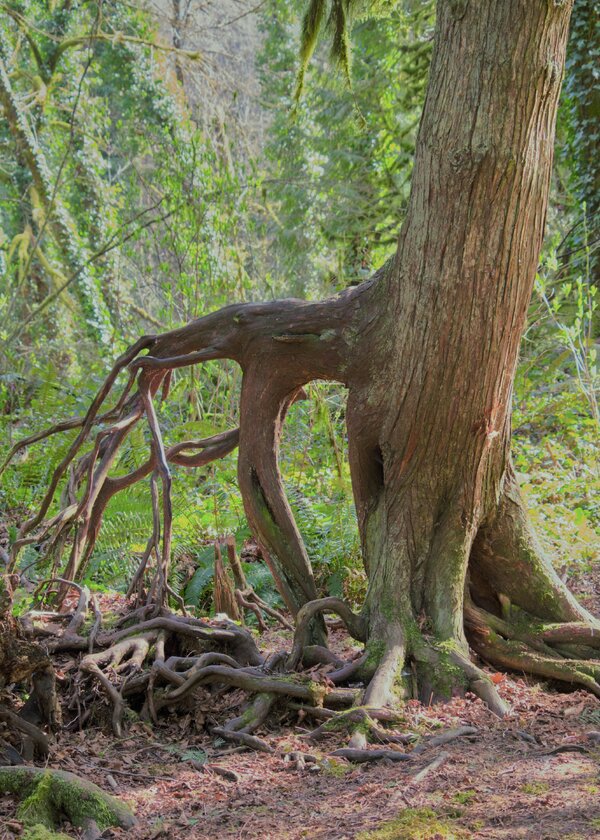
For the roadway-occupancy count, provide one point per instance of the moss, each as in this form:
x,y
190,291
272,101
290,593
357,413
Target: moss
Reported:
x,y
37,808
415,824
355,719
375,649
337,769
47,795
463,797
247,716
445,675
535,788
40,832
412,634
388,607
341,722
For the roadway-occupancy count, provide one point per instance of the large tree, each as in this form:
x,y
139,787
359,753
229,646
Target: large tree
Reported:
x,y
427,348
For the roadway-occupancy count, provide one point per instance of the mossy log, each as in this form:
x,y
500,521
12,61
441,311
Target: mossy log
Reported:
x,y
48,796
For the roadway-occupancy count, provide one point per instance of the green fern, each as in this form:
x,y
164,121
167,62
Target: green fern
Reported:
x,y
199,587
261,580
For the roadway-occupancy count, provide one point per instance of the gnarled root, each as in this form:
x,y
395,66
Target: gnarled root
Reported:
x,y
308,341
355,624
126,655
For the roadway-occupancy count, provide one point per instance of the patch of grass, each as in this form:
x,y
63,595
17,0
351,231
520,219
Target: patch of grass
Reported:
x,y
416,824
535,788
463,797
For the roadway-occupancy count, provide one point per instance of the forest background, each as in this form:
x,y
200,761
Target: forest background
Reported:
x,y
154,166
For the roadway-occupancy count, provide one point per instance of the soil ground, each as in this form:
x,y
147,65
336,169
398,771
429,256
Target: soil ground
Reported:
x,y
533,775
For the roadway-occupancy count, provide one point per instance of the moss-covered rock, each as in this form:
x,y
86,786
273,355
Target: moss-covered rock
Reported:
x,y
51,795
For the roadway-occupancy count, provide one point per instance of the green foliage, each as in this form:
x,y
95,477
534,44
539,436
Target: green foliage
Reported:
x,y
338,185
200,583
556,419
93,199
198,590
579,116
317,478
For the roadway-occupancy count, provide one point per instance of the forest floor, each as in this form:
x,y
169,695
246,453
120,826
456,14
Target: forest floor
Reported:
x,y
534,774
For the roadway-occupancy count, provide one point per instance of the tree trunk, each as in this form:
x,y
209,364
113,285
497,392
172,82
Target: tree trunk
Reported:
x,y
452,311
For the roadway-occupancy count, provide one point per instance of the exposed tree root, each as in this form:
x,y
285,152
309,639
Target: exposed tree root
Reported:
x,y
354,623
358,756
32,733
527,644
250,741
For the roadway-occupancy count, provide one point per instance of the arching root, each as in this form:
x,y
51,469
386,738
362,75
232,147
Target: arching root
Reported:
x,y
355,624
